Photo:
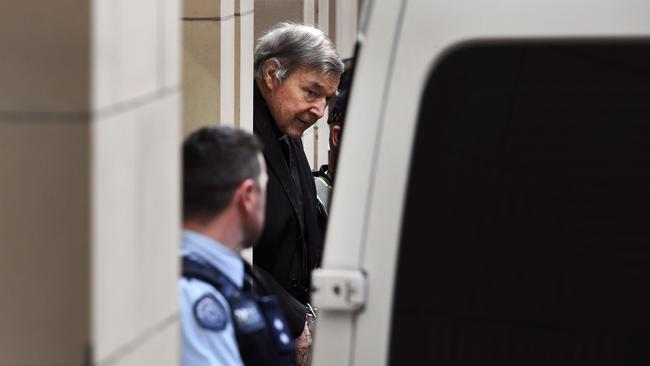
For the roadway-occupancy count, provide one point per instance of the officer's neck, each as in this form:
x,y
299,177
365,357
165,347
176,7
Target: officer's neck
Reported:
x,y
224,228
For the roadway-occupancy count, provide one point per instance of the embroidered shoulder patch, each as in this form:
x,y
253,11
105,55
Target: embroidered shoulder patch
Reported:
x,y
210,313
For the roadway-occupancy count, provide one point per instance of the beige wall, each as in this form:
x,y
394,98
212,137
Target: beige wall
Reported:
x,y
208,63
44,190
217,63
269,12
89,199
44,250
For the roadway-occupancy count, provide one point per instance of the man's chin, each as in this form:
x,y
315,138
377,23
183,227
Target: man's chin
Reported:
x,y
298,128
295,134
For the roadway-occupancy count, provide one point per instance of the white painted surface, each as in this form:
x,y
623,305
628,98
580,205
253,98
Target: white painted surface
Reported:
x,y
135,221
334,342
323,141
169,43
323,15
309,12
346,27
246,50
364,226
124,50
308,145
227,64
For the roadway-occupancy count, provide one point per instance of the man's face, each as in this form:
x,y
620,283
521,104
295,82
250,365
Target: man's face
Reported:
x,y
254,225
298,102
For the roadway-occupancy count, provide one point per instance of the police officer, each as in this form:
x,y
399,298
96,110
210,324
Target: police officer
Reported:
x,y
324,177
224,196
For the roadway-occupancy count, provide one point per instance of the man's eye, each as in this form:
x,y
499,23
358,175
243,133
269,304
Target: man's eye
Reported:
x,y
311,93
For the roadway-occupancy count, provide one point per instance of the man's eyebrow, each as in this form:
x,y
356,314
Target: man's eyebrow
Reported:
x,y
320,87
316,85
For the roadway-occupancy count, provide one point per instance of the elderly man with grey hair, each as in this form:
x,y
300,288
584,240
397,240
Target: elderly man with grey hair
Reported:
x,y
297,72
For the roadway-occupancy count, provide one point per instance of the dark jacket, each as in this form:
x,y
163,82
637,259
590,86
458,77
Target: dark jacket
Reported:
x,y
284,250
293,311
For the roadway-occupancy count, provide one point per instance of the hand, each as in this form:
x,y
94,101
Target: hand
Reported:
x,y
303,347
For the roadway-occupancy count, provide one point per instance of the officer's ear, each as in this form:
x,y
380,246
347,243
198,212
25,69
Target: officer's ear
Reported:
x,y
246,196
336,134
271,67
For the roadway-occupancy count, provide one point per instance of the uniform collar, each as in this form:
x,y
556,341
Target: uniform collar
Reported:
x,y
324,172
212,252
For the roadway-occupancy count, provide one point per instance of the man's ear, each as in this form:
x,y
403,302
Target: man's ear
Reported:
x,y
270,68
245,195
336,134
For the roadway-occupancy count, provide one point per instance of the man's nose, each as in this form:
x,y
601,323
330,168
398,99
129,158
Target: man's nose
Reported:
x,y
318,107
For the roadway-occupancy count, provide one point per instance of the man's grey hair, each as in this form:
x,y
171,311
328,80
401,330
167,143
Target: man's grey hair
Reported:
x,y
295,45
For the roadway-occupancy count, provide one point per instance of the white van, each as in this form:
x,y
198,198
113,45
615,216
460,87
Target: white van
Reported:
x,y
492,203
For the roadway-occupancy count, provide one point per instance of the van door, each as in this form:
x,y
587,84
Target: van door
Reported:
x,y
526,231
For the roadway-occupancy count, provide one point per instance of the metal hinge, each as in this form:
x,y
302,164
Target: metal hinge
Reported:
x,y
338,289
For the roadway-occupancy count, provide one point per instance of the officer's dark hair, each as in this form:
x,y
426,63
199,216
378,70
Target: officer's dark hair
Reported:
x,y
216,160
338,110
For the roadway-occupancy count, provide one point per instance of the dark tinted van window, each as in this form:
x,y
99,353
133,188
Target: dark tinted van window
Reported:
x,y
526,230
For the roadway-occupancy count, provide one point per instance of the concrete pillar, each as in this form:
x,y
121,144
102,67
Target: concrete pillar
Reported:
x,y
320,144
309,12
89,200
208,63
309,145
344,33
339,19
135,186
323,15
244,48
